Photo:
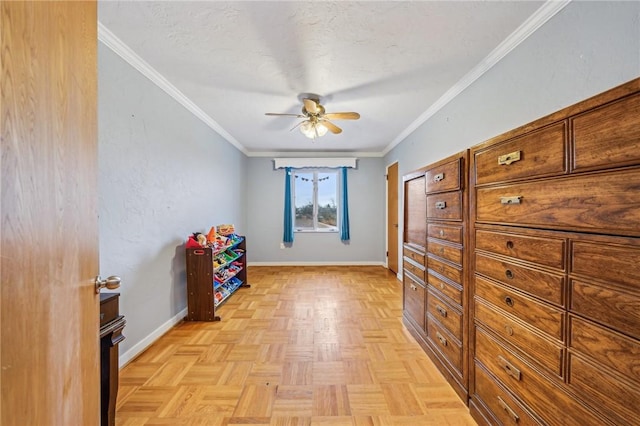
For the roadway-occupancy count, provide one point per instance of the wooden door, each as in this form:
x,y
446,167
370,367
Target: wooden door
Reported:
x,y
392,217
49,344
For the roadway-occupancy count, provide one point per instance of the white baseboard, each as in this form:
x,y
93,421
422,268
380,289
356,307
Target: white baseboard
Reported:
x,y
399,275
139,347
346,263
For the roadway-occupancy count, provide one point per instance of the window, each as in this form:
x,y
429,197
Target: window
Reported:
x,y
315,201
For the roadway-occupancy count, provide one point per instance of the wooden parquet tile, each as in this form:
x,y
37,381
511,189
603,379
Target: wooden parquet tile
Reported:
x,y
304,346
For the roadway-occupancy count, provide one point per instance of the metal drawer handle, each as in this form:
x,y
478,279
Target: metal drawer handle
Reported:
x,y
511,200
509,244
509,301
508,329
441,250
441,338
508,410
506,159
442,233
413,287
441,205
509,274
442,311
438,177
509,368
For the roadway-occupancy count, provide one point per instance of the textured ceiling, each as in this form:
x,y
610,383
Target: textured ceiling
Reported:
x,y
389,61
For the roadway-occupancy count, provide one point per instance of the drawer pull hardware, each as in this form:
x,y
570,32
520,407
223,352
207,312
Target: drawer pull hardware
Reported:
x,y
509,244
441,205
508,410
511,200
413,287
509,368
506,159
442,233
509,330
438,177
441,250
442,286
441,338
509,274
442,311
509,301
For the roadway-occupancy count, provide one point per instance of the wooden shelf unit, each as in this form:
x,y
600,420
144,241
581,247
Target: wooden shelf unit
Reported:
x,y
202,286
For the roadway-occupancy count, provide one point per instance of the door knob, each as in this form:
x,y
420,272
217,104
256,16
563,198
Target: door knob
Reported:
x,y
110,283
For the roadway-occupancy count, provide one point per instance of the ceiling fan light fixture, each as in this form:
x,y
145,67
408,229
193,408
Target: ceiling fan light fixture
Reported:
x,y
312,129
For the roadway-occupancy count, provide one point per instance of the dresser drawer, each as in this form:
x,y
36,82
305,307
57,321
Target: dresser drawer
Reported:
x,y
445,177
413,254
609,263
446,206
544,317
502,405
414,269
608,136
609,348
545,285
446,344
543,350
452,291
445,232
615,308
544,397
448,316
605,202
541,250
452,272
535,154
445,251
614,398
414,301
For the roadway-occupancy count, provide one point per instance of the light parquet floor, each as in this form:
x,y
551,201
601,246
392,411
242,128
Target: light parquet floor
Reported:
x,y
302,346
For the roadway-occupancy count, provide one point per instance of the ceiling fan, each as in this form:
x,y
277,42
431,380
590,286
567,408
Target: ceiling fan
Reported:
x,y
316,121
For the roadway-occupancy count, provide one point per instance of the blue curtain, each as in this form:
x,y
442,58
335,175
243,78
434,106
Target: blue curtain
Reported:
x,y
344,205
288,211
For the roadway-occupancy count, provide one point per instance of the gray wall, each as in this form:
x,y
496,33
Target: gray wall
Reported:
x,y
163,175
265,202
585,49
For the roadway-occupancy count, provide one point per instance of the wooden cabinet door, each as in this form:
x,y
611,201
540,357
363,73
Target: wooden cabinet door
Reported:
x,y
49,327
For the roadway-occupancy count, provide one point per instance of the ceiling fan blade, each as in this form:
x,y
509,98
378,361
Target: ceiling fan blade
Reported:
x,y
332,127
287,115
342,115
311,106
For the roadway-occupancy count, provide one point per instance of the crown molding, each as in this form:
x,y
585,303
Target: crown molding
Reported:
x,y
313,154
528,27
106,37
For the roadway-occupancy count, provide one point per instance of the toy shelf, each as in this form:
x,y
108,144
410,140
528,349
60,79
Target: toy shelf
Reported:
x,y
205,293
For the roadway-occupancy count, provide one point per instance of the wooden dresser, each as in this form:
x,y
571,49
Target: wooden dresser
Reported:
x,y
555,209
437,310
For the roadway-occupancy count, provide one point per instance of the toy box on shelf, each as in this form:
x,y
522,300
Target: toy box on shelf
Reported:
x,y
216,268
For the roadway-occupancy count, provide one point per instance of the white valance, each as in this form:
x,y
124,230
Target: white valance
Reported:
x,y
301,163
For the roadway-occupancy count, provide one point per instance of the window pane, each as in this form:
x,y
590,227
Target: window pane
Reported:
x,y
303,200
327,201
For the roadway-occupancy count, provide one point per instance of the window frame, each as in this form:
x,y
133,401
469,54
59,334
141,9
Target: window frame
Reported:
x,y
315,173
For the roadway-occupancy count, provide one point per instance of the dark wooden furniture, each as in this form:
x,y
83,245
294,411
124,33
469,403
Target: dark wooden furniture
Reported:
x,y
556,221
111,326
204,293
525,291
435,265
